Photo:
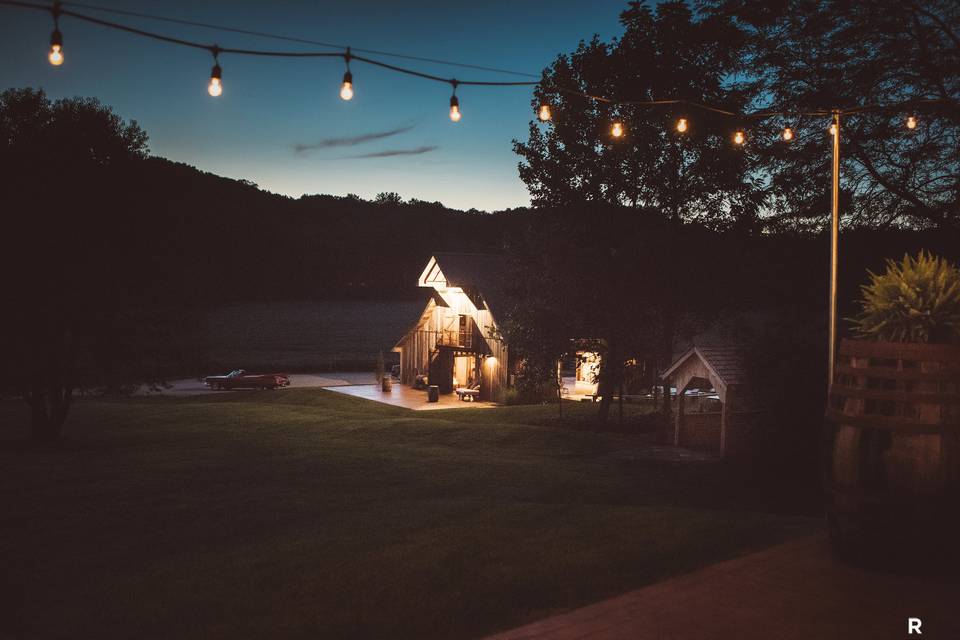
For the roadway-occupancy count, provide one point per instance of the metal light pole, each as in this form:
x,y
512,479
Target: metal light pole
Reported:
x,y
834,237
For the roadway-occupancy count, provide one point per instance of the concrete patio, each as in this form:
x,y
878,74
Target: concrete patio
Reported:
x,y
408,398
794,590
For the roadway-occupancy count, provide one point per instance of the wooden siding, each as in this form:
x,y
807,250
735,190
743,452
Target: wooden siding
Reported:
x,y
417,345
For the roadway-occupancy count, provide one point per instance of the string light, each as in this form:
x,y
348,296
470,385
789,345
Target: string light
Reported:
x,y
833,129
56,48
346,89
215,88
56,38
454,104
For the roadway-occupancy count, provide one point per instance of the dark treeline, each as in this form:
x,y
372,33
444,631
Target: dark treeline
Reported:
x,y
220,240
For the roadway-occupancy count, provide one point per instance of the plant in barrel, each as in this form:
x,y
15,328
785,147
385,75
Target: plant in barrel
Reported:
x,y
893,470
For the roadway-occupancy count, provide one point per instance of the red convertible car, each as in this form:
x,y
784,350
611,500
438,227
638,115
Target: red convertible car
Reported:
x,y
240,379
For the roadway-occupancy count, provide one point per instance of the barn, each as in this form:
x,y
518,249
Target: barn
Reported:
x,y
717,406
455,342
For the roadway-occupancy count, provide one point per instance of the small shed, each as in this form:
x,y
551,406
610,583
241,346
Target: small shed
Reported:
x,y
717,406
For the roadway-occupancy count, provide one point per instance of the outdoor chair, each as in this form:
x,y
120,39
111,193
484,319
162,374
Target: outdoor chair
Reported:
x,y
468,394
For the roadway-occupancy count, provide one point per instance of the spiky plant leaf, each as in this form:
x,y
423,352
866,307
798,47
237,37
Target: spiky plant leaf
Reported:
x,y
915,300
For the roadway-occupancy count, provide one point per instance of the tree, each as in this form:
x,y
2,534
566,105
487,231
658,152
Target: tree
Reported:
x,y
388,198
666,178
820,54
669,53
71,272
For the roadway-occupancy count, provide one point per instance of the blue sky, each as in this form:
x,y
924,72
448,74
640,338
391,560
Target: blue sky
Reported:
x,y
270,105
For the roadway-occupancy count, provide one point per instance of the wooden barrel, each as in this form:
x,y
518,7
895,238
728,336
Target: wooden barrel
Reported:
x,y
892,472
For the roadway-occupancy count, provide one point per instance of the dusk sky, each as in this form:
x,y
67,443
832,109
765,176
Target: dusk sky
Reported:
x,y
270,105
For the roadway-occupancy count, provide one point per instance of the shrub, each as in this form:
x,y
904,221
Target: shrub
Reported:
x,y
915,300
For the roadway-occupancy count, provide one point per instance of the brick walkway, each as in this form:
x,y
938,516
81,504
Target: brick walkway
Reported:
x,y
792,591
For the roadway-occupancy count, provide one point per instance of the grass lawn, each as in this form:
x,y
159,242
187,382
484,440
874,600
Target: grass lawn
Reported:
x,y
305,513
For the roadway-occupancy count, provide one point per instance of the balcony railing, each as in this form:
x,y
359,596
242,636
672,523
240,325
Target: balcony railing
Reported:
x,y
463,339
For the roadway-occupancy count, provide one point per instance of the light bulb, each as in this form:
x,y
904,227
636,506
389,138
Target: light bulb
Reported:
x,y
56,48
911,122
787,134
616,130
739,137
454,109
56,55
682,125
833,129
346,89
544,113
215,88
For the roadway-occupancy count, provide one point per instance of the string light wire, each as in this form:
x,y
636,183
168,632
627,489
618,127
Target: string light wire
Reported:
x,y
274,36
58,10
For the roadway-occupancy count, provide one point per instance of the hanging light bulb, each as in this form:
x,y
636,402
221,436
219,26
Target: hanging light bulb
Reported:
x,y
56,38
911,122
454,103
787,134
739,137
454,109
215,88
544,112
346,89
56,48
616,130
833,129
682,125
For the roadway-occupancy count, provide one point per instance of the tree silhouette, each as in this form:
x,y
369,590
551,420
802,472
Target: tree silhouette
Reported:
x,y
628,269
835,53
69,262
666,53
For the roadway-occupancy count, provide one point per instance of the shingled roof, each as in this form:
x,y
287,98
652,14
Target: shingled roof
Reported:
x,y
727,359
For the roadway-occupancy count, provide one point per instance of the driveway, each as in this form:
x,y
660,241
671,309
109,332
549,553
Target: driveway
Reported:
x,y
193,387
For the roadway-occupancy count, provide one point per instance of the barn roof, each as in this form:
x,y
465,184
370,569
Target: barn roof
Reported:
x,y
483,273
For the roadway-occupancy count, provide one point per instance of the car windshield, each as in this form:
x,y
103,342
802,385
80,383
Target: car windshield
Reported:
x,y
235,373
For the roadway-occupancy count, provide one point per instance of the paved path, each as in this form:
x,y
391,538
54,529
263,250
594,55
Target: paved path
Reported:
x,y
791,591
408,397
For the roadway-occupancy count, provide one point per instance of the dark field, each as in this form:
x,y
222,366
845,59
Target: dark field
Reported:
x,y
305,514
306,336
